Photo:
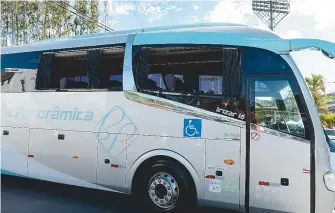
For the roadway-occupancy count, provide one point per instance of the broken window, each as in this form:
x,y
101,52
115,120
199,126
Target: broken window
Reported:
x,y
96,68
205,77
6,77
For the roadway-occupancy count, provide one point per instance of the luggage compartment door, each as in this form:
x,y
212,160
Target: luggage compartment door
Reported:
x,y
64,156
14,151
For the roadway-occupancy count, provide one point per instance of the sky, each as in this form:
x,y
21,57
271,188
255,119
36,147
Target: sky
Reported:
x,y
307,19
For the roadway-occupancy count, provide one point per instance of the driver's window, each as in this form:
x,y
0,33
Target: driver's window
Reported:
x,y
274,106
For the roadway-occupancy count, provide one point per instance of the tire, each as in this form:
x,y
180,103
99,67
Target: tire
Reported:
x,y
169,187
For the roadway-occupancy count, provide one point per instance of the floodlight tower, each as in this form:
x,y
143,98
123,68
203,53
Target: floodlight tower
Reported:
x,y
271,12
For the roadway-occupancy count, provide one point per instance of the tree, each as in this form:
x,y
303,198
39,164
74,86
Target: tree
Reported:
x,y
30,21
5,18
317,87
94,13
81,24
34,20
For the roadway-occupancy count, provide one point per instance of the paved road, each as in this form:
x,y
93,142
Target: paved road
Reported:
x,y
30,196
27,196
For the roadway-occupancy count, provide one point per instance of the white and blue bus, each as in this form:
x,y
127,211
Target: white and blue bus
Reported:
x,y
210,114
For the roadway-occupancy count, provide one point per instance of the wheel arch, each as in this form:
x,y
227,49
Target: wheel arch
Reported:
x,y
150,157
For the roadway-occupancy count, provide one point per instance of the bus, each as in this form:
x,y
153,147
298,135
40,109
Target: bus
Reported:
x,y
177,116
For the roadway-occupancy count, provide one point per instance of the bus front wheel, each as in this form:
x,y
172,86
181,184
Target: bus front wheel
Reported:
x,y
164,187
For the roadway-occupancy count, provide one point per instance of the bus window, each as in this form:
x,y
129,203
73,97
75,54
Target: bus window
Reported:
x,y
96,68
5,80
6,77
260,61
204,77
156,81
69,70
111,68
274,106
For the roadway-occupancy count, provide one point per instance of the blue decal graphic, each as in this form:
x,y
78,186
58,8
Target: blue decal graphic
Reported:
x,y
192,128
110,128
55,114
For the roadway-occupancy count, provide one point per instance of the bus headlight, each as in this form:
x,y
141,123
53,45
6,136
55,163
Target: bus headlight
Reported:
x,y
329,180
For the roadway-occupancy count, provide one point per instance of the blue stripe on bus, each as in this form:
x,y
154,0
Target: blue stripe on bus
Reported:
x,y
6,172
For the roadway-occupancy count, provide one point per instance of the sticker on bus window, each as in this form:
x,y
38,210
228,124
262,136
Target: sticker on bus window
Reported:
x,y
192,128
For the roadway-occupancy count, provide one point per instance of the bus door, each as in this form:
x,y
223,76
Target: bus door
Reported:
x,y
279,152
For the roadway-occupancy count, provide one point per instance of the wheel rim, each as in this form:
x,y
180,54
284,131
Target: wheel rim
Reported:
x,y
163,190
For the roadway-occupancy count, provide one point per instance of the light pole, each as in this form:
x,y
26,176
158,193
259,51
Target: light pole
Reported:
x,y
271,12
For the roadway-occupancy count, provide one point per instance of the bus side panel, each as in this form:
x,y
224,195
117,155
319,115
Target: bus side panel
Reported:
x,y
14,151
171,129
111,172
223,162
272,160
74,154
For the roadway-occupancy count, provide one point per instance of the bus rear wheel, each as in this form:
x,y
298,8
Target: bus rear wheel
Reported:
x,y
164,188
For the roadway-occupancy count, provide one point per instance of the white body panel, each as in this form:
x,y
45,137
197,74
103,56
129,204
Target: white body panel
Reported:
x,y
280,198
16,141
59,154
112,178
228,193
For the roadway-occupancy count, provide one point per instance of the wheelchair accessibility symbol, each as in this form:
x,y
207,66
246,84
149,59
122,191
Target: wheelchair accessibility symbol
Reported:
x,y
192,127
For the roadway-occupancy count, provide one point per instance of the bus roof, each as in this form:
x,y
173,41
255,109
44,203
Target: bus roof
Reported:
x,y
216,33
121,36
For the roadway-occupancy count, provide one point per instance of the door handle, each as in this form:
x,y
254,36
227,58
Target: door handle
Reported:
x,y
284,181
5,132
